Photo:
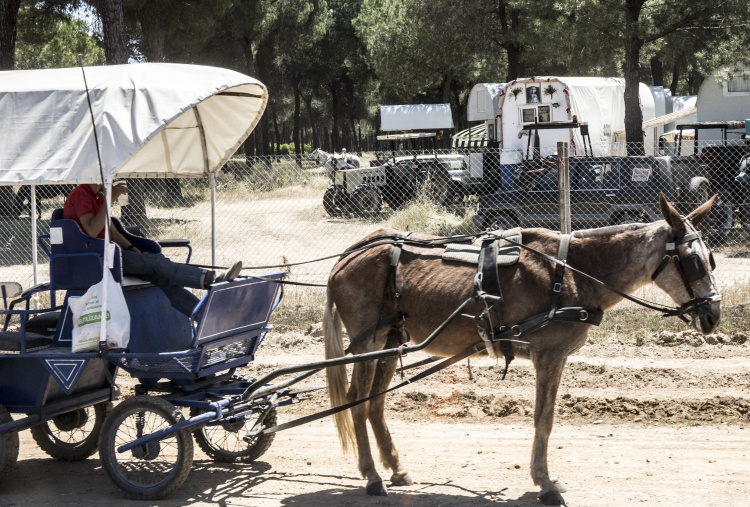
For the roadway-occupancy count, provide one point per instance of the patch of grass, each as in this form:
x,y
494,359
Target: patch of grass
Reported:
x,y
633,323
301,308
428,217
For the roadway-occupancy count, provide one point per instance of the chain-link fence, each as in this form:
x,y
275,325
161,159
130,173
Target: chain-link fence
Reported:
x,y
288,210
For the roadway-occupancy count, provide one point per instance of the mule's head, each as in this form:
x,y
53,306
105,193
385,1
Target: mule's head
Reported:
x,y
686,271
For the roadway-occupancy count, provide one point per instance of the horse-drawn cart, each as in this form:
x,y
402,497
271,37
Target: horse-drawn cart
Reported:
x,y
395,293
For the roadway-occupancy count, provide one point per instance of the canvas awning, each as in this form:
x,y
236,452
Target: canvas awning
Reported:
x,y
152,120
664,119
416,117
473,137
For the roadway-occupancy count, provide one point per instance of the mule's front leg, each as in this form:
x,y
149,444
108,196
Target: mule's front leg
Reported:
x,y
361,386
549,369
388,453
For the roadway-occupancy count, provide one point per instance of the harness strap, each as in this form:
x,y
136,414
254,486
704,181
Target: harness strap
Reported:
x,y
390,278
489,281
562,256
335,410
541,320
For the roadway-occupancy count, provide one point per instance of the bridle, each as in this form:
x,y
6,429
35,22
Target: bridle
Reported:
x,y
691,268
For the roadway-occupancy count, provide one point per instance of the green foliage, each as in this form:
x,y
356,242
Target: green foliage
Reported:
x,y
50,41
288,149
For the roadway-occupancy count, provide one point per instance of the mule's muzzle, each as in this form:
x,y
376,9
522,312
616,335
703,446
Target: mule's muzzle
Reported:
x,y
707,317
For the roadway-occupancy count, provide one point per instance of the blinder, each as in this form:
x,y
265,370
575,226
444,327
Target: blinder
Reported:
x,y
693,267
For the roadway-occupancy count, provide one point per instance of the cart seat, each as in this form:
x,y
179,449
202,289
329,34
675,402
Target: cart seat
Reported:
x,y
10,341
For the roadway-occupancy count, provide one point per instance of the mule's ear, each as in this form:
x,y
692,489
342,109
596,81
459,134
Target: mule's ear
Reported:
x,y
701,211
672,216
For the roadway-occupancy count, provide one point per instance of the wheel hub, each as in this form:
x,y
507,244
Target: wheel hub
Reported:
x,y
71,420
149,451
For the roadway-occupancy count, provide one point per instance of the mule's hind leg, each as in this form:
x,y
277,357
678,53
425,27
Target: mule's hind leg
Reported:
x,y
361,387
549,367
388,453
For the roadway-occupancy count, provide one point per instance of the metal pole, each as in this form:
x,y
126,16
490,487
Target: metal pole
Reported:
x,y
563,185
212,177
34,218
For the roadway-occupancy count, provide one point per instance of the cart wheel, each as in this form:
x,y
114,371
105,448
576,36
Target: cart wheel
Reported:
x,y
8,443
152,470
225,443
72,436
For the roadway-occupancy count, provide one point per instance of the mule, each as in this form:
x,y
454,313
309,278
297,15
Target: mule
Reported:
x,y
332,161
624,257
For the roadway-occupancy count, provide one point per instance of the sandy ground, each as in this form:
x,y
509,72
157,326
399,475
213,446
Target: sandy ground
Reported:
x,y
650,424
665,421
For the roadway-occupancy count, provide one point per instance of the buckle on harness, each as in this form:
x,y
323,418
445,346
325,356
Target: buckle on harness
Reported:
x,y
516,331
584,315
557,287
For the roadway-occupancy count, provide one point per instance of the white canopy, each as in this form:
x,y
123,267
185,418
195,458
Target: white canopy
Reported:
x,y
416,117
152,120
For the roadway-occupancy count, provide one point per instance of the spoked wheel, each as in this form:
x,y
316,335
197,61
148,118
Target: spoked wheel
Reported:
x,y
8,444
224,441
152,470
72,436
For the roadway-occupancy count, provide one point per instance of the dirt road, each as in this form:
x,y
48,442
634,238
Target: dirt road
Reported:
x,y
666,422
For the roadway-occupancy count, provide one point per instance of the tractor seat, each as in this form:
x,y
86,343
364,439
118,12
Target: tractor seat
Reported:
x,y
10,341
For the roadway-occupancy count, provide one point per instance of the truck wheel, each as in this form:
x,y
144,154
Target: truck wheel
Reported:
x,y
366,200
501,223
335,201
433,184
8,444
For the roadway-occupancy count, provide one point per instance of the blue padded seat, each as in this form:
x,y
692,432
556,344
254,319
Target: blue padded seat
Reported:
x,y
10,341
76,259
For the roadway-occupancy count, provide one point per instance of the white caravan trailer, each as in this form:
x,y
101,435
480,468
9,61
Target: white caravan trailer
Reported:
x,y
484,106
724,96
594,100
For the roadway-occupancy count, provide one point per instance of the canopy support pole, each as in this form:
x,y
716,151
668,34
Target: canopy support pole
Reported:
x,y
212,177
32,214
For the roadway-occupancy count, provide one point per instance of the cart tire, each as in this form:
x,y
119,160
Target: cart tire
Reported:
x,y
225,444
8,444
153,470
73,436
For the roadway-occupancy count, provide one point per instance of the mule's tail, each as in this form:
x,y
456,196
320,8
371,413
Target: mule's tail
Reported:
x,y
336,378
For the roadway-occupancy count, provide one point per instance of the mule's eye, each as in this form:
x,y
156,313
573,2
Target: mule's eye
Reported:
x,y
711,260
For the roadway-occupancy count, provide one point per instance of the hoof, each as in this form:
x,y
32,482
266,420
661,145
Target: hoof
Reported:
x,y
377,489
559,486
401,479
552,498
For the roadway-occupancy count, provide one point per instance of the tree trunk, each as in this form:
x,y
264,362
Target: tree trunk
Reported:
x,y
313,131
153,36
335,140
657,70
113,26
8,32
296,123
276,132
675,77
633,114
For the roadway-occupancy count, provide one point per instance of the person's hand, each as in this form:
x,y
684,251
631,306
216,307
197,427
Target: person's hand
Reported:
x,y
118,189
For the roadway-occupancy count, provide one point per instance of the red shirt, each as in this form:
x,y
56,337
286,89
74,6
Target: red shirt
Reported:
x,y
83,201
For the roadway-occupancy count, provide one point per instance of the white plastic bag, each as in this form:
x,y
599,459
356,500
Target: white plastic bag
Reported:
x,y
87,311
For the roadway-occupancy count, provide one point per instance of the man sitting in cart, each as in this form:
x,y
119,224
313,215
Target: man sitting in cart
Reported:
x,y
85,205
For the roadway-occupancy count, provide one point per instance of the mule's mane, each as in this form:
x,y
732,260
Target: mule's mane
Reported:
x,y
608,231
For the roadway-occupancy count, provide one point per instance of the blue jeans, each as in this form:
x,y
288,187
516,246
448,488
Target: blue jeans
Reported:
x,y
171,277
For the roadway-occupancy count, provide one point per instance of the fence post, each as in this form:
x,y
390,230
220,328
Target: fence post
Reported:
x,y
563,185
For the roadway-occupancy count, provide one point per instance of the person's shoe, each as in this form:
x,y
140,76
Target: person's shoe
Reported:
x,y
228,274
